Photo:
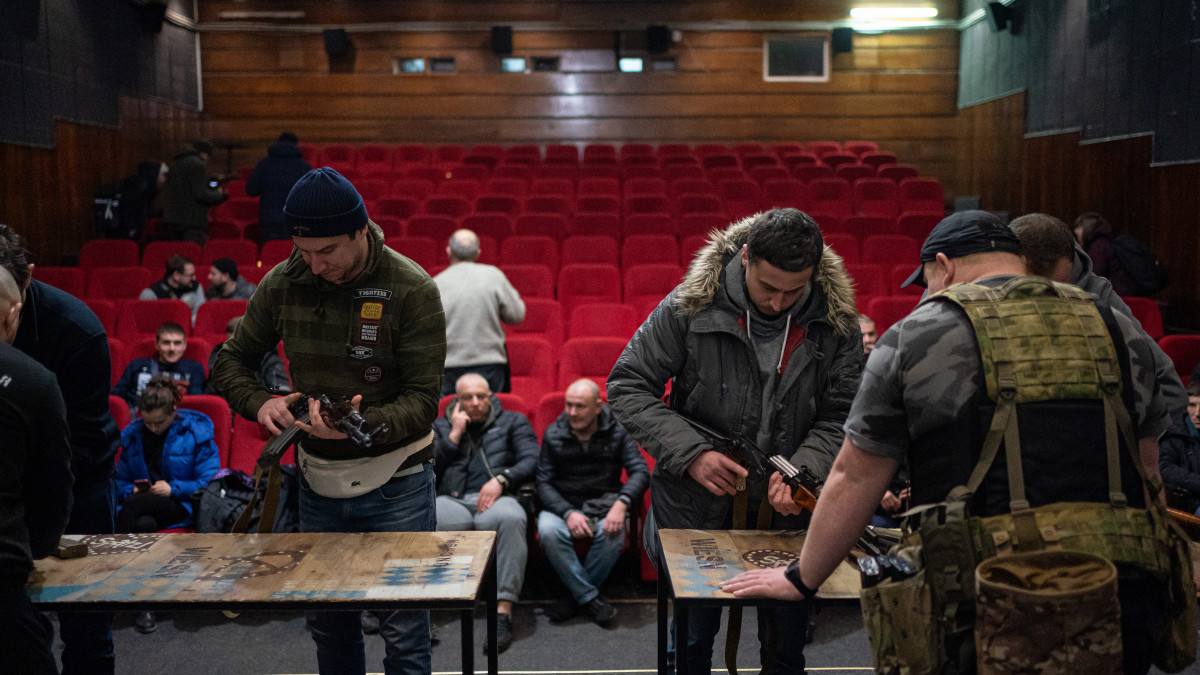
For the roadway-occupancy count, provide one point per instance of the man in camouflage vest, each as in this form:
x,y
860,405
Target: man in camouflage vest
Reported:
x,y
361,322
924,398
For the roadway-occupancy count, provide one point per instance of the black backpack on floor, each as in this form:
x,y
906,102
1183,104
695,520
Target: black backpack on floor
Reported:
x,y
225,497
1146,273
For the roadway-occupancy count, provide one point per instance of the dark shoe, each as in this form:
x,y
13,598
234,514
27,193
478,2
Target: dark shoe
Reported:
x,y
504,633
601,612
563,610
370,623
145,623
434,636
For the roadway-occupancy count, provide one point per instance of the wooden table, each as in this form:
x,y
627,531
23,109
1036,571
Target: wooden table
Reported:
x,y
695,562
298,571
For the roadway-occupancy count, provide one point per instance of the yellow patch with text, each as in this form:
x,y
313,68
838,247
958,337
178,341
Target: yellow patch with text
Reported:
x,y
372,310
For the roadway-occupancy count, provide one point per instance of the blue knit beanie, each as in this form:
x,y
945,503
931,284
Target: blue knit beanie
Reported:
x,y
324,204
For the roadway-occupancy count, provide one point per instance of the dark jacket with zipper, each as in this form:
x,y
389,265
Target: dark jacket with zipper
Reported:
x,y
1179,460
271,181
504,443
568,474
696,339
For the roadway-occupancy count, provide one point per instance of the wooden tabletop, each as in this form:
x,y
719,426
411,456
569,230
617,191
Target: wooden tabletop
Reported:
x,y
699,560
267,569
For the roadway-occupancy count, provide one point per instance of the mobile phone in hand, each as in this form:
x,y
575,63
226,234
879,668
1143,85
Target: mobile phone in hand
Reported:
x,y
141,485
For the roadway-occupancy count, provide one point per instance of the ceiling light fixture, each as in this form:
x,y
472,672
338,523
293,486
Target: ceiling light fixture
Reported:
x,y
875,13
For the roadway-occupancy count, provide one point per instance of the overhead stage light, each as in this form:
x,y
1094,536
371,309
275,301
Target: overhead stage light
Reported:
x,y
879,12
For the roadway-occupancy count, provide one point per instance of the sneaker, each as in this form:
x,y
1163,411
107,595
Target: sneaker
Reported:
x,y
145,623
370,623
504,633
563,610
601,611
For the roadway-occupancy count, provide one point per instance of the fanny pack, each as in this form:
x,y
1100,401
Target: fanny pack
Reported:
x,y
345,478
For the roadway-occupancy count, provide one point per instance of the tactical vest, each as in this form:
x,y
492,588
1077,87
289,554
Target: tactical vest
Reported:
x,y
1044,348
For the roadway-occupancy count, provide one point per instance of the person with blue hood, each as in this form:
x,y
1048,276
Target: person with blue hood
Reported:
x,y
272,180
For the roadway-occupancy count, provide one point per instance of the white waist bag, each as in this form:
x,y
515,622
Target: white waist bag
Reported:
x,y
344,478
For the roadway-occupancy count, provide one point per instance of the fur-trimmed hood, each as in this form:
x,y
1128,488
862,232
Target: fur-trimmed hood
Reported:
x,y
703,278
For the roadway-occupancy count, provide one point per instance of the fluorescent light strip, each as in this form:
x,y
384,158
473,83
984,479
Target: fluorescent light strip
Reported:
x,y
893,12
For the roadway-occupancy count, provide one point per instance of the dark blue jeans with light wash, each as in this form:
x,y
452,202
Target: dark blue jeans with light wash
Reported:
x,y
582,579
87,636
401,505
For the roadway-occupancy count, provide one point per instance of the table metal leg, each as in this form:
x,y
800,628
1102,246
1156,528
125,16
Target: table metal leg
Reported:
x,y
489,592
663,597
681,639
466,620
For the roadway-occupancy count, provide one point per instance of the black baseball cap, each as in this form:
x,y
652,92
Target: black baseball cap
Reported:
x,y
962,234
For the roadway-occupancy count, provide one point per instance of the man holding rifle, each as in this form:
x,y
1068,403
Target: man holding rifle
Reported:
x,y
760,341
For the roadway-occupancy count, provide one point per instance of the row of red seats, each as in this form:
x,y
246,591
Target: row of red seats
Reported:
x,y
137,319
121,283
126,253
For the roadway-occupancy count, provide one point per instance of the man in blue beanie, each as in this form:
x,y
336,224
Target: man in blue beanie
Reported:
x,y
362,322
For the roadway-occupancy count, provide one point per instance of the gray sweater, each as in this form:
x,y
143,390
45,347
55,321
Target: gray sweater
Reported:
x,y
476,299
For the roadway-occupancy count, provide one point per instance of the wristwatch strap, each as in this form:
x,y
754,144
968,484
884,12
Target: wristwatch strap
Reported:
x,y
792,573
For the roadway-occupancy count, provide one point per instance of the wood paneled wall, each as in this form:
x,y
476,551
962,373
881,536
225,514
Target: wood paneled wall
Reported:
x,y
1058,175
896,88
46,195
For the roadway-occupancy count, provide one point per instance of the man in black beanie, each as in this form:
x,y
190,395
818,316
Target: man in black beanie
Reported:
x,y
188,194
224,282
272,180
358,321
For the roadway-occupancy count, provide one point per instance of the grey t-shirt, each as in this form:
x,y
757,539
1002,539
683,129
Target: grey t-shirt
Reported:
x,y
921,377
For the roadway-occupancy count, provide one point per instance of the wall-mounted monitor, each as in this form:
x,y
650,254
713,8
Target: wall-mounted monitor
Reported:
x,y
796,57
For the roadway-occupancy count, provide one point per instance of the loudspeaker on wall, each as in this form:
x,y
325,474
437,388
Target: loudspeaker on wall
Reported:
x,y
841,40
337,43
151,16
658,39
502,43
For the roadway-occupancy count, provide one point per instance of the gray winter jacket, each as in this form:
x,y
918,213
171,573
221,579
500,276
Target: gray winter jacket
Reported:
x,y
696,339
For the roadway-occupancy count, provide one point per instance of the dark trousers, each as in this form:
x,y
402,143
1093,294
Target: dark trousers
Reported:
x,y
496,375
146,512
1141,619
26,636
87,636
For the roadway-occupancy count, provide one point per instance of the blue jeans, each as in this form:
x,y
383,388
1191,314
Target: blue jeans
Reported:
x,y
87,636
582,580
401,505
506,518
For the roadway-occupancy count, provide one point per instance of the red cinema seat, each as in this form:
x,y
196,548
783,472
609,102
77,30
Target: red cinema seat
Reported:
x,y
154,258
515,168
236,214
459,186
472,169
396,207
118,356
854,172
248,439
436,227
109,253
885,311
451,207
1145,310
762,174
118,283
650,223
709,149
525,154
598,187
531,362
580,283
446,155
337,156
897,172
647,249
603,319
918,225
743,149
629,150
689,204
639,204
417,189
498,226
598,204
373,158
562,187
877,159
598,250
822,148
676,171
106,311
645,186
845,245
595,223
875,197
807,173
213,316
891,249
786,193
599,153
795,159
309,152
410,153
218,411
550,225
508,401
673,150
509,206
860,148
531,281
1184,352
562,154
563,206
543,319
599,171
860,227
869,280
830,195
700,224
922,194
592,358
536,250
422,250
434,175
275,251
692,186
649,284
835,159
374,189
241,251
72,280
119,409
548,409
689,247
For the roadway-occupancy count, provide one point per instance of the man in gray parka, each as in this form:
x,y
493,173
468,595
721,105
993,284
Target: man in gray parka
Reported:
x,y
761,339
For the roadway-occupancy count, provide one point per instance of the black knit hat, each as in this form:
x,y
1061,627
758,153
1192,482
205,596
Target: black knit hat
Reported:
x,y
227,266
202,146
324,204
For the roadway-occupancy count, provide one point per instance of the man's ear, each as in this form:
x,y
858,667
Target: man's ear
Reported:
x,y
9,322
946,267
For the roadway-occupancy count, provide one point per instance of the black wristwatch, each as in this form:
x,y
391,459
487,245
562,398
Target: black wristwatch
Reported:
x,y
792,572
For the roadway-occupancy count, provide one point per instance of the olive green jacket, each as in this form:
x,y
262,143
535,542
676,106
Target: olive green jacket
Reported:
x,y
382,335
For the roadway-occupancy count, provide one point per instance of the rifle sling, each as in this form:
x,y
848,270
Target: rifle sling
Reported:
x,y
271,452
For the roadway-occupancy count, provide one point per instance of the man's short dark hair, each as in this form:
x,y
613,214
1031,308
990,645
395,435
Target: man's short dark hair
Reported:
x,y
169,328
1193,388
288,137
14,257
1044,241
176,263
786,238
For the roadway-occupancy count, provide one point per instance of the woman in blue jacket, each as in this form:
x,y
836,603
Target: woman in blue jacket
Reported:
x,y
167,455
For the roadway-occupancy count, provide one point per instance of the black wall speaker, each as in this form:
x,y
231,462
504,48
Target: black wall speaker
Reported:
x,y
502,40
658,39
337,43
998,15
151,16
841,40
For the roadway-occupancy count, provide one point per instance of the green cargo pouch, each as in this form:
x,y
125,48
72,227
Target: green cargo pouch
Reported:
x,y
1176,648
905,640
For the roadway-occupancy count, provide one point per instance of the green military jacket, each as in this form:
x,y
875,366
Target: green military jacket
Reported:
x,y
382,335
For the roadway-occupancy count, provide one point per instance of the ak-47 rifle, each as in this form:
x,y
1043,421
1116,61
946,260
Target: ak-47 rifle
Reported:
x,y
339,415
806,487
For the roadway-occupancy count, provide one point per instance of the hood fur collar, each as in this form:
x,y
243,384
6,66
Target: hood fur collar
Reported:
x,y
704,277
